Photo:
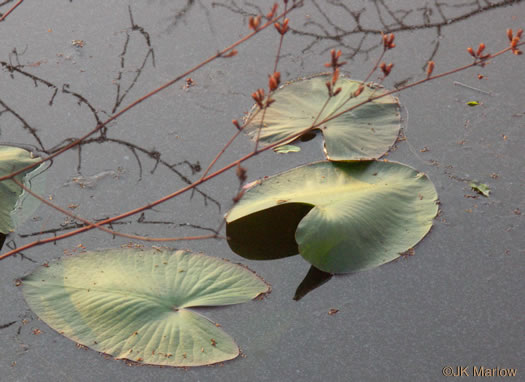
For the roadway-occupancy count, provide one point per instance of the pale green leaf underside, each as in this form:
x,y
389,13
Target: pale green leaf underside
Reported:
x,y
364,133
365,213
133,304
14,206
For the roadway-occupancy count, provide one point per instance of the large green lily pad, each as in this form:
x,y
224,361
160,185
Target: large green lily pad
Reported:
x,y
340,216
134,304
15,204
364,133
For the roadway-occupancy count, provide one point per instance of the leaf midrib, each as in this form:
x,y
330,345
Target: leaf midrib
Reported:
x,y
148,297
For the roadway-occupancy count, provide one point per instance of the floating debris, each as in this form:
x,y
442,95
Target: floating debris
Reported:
x,y
78,43
480,188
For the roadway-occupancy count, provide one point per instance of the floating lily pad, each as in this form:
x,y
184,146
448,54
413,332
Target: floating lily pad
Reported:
x,y
15,204
135,304
364,133
341,217
481,188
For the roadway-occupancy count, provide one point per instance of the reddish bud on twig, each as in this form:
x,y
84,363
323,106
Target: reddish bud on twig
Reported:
x,y
270,15
285,24
241,173
253,22
236,124
231,53
391,41
272,84
282,28
335,76
258,97
471,51
515,41
386,68
481,47
430,68
329,87
274,81
388,41
509,34
334,62
359,90
337,91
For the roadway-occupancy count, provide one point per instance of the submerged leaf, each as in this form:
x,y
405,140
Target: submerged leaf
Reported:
x,y
473,103
15,206
481,188
366,132
285,149
134,304
347,217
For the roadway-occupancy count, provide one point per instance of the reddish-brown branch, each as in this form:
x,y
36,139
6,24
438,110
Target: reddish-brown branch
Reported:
x,y
248,156
477,62
10,10
116,233
277,57
237,133
372,71
275,65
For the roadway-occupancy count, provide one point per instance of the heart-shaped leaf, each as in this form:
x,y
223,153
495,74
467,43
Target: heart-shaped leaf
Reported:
x,y
364,133
346,216
134,304
15,205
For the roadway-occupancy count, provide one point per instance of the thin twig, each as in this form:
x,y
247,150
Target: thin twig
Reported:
x,y
116,233
276,63
237,133
10,10
457,83
150,94
372,71
416,83
248,156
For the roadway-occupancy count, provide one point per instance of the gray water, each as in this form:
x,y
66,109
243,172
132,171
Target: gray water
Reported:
x,y
457,302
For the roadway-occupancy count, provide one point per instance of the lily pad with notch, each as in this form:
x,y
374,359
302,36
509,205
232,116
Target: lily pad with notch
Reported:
x,y
339,216
366,132
135,304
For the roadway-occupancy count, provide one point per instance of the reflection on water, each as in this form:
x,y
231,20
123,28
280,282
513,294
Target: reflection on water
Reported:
x,y
324,25
356,29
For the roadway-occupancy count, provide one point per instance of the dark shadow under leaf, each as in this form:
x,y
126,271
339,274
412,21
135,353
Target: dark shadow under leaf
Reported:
x,y
313,280
267,234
